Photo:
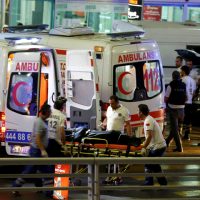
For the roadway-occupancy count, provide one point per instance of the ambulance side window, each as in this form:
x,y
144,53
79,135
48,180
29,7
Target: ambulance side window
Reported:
x,y
22,94
152,78
125,82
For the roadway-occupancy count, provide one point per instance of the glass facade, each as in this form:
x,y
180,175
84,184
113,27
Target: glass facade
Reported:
x,y
193,13
163,13
100,16
30,12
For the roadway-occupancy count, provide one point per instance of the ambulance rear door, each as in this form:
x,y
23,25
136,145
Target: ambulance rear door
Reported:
x,y
82,89
22,101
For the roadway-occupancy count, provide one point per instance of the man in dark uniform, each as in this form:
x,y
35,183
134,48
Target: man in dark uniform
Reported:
x,y
176,97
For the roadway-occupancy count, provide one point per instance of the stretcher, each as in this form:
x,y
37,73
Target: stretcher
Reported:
x,y
88,147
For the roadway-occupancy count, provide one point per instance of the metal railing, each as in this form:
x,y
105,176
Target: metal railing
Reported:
x,y
50,161
93,186
143,160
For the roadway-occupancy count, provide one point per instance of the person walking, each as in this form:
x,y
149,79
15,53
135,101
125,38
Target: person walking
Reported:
x,y
176,97
38,147
190,88
154,141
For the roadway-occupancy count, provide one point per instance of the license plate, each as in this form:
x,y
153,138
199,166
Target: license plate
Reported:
x,y
17,136
19,149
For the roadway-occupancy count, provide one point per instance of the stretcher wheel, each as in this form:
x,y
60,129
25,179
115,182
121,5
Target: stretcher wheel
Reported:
x,y
77,182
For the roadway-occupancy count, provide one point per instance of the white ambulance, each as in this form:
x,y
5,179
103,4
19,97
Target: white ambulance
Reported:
x,y
170,36
96,66
30,76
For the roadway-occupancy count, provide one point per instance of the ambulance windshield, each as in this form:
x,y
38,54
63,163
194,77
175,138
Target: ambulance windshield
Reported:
x,y
22,94
137,81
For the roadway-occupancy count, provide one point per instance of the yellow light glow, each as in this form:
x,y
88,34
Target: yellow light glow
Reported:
x,y
133,1
98,49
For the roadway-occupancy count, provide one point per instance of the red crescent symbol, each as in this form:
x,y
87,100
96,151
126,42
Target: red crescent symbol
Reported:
x,y
120,83
14,94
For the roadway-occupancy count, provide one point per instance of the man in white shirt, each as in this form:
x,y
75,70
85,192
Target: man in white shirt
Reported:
x,y
178,63
190,88
154,141
117,116
176,97
56,123
193,72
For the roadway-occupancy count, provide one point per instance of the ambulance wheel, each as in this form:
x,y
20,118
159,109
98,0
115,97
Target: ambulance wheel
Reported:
x,y
77,182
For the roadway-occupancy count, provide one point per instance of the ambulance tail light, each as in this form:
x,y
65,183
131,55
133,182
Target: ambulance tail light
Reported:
x,y
105,106
2,127
98,49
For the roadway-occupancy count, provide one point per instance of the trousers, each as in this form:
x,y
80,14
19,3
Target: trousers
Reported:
x,y
176,117
187,119
155,168
47,182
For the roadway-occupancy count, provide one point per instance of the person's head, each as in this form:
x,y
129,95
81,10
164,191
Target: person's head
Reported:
x,y
178,61
58,105
190,64
114,102
175,75
4,30
19,24
64,100
46,111
185,70
143,111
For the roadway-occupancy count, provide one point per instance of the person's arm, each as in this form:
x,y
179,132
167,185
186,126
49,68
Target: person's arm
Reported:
x,y
198,83
62,133
194,92
168,92
148,138
128,127
39,142
38,131
104,123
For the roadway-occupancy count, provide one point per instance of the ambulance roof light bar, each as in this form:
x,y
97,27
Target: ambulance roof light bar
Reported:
x,y
27,27
135,34
71,31
22,40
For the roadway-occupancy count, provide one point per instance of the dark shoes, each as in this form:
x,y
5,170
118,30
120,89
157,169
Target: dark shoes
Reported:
x,y
16,193
177,150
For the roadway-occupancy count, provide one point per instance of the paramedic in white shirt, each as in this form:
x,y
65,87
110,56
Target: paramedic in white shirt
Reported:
x,y
117,116
178,63
193,72
190,88
154,141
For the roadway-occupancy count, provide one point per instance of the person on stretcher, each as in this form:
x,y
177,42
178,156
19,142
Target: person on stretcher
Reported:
x,y
116,117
